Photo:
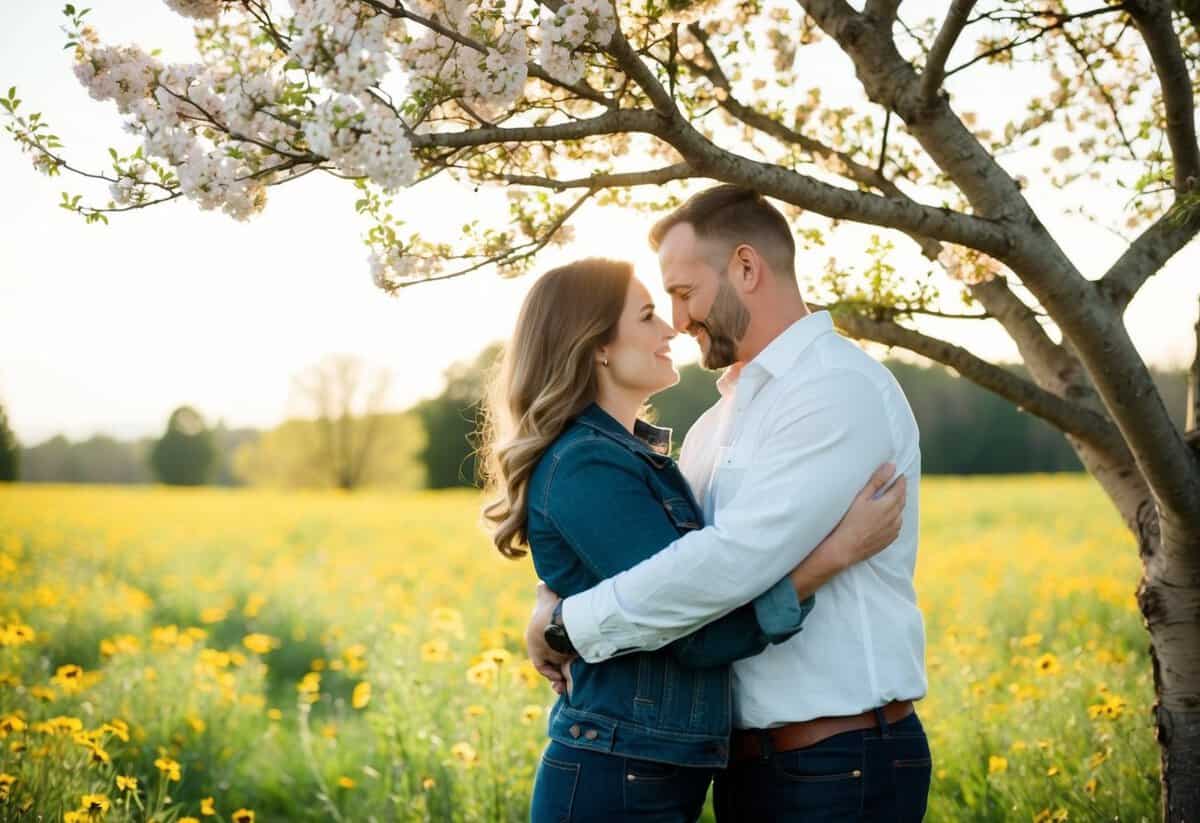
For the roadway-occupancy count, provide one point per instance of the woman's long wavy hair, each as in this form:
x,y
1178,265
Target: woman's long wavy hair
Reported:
x,y
547,377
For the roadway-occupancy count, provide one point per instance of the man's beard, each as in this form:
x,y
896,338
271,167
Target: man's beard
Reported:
x,y
725,326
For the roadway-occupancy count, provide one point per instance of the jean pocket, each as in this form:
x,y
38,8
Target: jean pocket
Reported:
x,y
648,770
553,791
664,788
911,777
819,766
816,785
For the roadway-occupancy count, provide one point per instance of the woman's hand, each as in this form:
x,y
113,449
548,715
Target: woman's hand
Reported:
x,y
874,519
871,525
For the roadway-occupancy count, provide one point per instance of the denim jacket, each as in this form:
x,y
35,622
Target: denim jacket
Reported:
x,y
599,501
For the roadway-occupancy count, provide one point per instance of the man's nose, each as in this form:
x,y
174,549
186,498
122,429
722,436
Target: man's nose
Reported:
x,y
680,319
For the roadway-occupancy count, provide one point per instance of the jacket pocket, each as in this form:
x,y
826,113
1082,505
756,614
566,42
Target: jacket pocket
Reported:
x,y
682,514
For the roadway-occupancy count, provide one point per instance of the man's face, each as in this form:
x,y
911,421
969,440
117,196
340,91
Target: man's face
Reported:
x,y
704,302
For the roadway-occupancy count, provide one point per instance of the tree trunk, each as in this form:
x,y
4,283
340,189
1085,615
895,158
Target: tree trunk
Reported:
x,y
1169,597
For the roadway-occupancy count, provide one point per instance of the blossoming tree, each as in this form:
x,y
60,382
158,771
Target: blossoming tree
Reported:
x,y
566,101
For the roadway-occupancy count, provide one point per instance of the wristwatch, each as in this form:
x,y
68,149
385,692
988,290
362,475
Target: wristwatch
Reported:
x,y
556,633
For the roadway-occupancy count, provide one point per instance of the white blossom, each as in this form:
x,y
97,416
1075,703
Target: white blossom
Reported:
x,y
363,138
563,33
196,9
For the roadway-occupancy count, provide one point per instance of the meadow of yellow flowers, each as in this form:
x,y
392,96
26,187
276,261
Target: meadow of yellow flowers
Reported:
x,y
251,656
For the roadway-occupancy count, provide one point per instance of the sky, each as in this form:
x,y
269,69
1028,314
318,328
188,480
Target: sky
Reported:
x,y
106,329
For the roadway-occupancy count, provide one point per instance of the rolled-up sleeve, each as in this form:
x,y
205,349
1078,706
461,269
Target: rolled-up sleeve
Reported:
x,y
818,450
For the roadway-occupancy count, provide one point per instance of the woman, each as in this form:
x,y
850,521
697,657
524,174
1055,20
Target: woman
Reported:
x,y
589,488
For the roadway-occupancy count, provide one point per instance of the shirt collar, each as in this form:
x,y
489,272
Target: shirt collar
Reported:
x,y
653,441
783,351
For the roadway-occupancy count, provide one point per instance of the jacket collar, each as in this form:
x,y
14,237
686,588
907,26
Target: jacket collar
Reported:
x,y
652,441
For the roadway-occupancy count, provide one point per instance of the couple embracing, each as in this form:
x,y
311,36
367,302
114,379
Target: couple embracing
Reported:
x,y
744,618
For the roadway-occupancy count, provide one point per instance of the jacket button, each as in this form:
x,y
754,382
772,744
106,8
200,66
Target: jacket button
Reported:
x,y
591,734
574,730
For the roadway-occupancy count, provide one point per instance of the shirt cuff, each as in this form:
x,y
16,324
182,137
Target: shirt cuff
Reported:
x,y
579,617
780,612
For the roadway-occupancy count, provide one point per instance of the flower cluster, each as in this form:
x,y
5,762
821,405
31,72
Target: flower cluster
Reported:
x,y
391,266
567,30
487,66
362,137
344,41
123,74
196,9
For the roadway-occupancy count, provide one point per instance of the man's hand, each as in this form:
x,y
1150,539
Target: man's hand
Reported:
x,y
547,661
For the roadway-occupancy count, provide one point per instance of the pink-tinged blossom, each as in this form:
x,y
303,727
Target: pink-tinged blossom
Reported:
x,y
196,9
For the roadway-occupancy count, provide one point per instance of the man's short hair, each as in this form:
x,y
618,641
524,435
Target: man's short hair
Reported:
x,y
726,216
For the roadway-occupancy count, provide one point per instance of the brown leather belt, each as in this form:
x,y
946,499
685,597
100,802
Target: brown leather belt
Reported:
x,y
746,743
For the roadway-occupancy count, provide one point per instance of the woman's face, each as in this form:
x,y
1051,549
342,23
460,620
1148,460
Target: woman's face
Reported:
x,y
639,356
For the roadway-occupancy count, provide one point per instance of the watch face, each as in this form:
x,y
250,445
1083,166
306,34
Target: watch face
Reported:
x,y
556,638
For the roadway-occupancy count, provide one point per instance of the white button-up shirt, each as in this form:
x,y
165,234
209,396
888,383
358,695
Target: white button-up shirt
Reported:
x,y
776,463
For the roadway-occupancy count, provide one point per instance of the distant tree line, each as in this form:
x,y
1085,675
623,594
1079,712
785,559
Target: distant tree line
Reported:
x,y
964,430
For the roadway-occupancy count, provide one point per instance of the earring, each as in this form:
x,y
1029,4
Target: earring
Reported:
x,y
604,362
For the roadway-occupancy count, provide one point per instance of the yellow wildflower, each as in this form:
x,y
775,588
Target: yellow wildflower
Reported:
x,y
483,674
94,804
206,807
464,753
361,696
530,713
497,656
435,651
1047,664
259,643
243,816
346,782
997,764
126,784
169,767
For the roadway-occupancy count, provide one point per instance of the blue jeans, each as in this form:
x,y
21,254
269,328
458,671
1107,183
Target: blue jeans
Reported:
x,y
870,775
580,785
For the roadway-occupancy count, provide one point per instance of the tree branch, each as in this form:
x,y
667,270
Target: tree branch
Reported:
x,y
1147,255
1153,20
1192,426
935,63
1049,363
632,65
1064,415
513,255
1061,19
882,10
652,177
613,122
400,13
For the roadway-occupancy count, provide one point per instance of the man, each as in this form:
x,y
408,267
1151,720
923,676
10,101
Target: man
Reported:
x,y
824,723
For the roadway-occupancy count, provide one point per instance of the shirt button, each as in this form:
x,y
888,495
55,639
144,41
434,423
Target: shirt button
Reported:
x,y
591,734
574,730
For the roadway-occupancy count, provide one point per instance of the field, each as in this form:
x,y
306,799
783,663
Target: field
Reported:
x,y
247,656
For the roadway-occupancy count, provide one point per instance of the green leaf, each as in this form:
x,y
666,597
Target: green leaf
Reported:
x,y
12,93
69,9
